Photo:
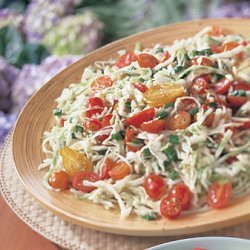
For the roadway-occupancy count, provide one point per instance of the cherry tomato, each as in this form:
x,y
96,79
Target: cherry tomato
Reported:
x,y
141,87
245,125
59,179
229,46
155,186
219,194
92,124
95,106
147,61
161,94
154,126
199,85
62,121
231,159
166,56
187,104
208,121
143,116
77,180
106,120
181,120
101,138
183,194
216,49
108,165
236,101
102,82
126,59
119,170
129,136
216,31
170,207
202,60
240,85
222,86
74,161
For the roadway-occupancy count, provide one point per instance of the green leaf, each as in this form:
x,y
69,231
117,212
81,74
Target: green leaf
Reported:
x,y
173,139
151,216
119,136
128,106
137,141
142,79
159,50
169,105
147,154
193,112
79,129
171,153
178,69
205,52
162,114
213,105
57,112
239,92
173,175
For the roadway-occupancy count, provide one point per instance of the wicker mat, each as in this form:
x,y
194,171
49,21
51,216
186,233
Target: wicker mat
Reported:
x,y
70,236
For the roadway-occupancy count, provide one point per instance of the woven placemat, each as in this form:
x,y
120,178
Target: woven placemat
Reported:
x,y
68,235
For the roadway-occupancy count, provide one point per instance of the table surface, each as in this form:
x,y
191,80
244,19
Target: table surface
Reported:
x,y
21,235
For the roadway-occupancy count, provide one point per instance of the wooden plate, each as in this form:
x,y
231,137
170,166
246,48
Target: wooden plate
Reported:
x,y
37,117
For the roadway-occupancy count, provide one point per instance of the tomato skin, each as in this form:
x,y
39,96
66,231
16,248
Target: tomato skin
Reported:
x,y
108,165
154,126
126,59
170,207
245,125
92,125
219,194
147,61
143,116
166,56
84,175
95,105
183,194
141,87
62,121
240,85
222,86
161,94
101,82
236,101
229,46
106,120
216,49
199,85
181,120
129,136
155,186
119,170
202,60
59,179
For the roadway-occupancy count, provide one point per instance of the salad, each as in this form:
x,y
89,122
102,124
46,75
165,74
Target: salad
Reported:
x,y
158,131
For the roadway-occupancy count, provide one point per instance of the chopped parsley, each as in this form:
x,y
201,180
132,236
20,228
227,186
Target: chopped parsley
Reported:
x,y
159,50
151,216
78,128
173,175
58,112
239,92
213,105
193,112
137,141
147,154
204,52
119,136
162,114
128,106
178,69
169,105
174,139
142,79
171,153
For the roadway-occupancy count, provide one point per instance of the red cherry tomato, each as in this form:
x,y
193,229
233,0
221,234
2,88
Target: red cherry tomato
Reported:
x,y
219,194
126,59
102,82
95,105
183,194
147,60
188,104
119,170
216,31
240,85
229,46
222,86
231,159
208,121
155,186
129,136
245,125
143,116
141,87
181,120
59,179
154,126
108,165
199,85
170,207
106,120
166,56
77,180
216,49
92,124
202,60
101,138
236,101
62,121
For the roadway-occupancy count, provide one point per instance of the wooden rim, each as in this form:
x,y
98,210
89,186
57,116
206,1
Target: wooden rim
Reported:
x,y
37,117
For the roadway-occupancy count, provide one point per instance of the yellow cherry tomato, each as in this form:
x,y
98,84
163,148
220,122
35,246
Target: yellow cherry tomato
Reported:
x,y
74,161
161,94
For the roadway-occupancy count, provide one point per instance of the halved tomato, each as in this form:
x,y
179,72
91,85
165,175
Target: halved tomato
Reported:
x,y
143,116
126,59
102,82
147,61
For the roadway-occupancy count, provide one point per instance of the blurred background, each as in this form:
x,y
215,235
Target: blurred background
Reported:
x,y
39,38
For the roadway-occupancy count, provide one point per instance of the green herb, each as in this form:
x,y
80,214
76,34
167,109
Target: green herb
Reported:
x,y
78,128
71,119
151,216
213,105
217,77
174,139
128,106
162,114
119,136
166,165
169,105
142,79
137,141
178,69
147,154
58,112
171,153
173,175
239,92
73,136
193,111
102,152
205,52
159,50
